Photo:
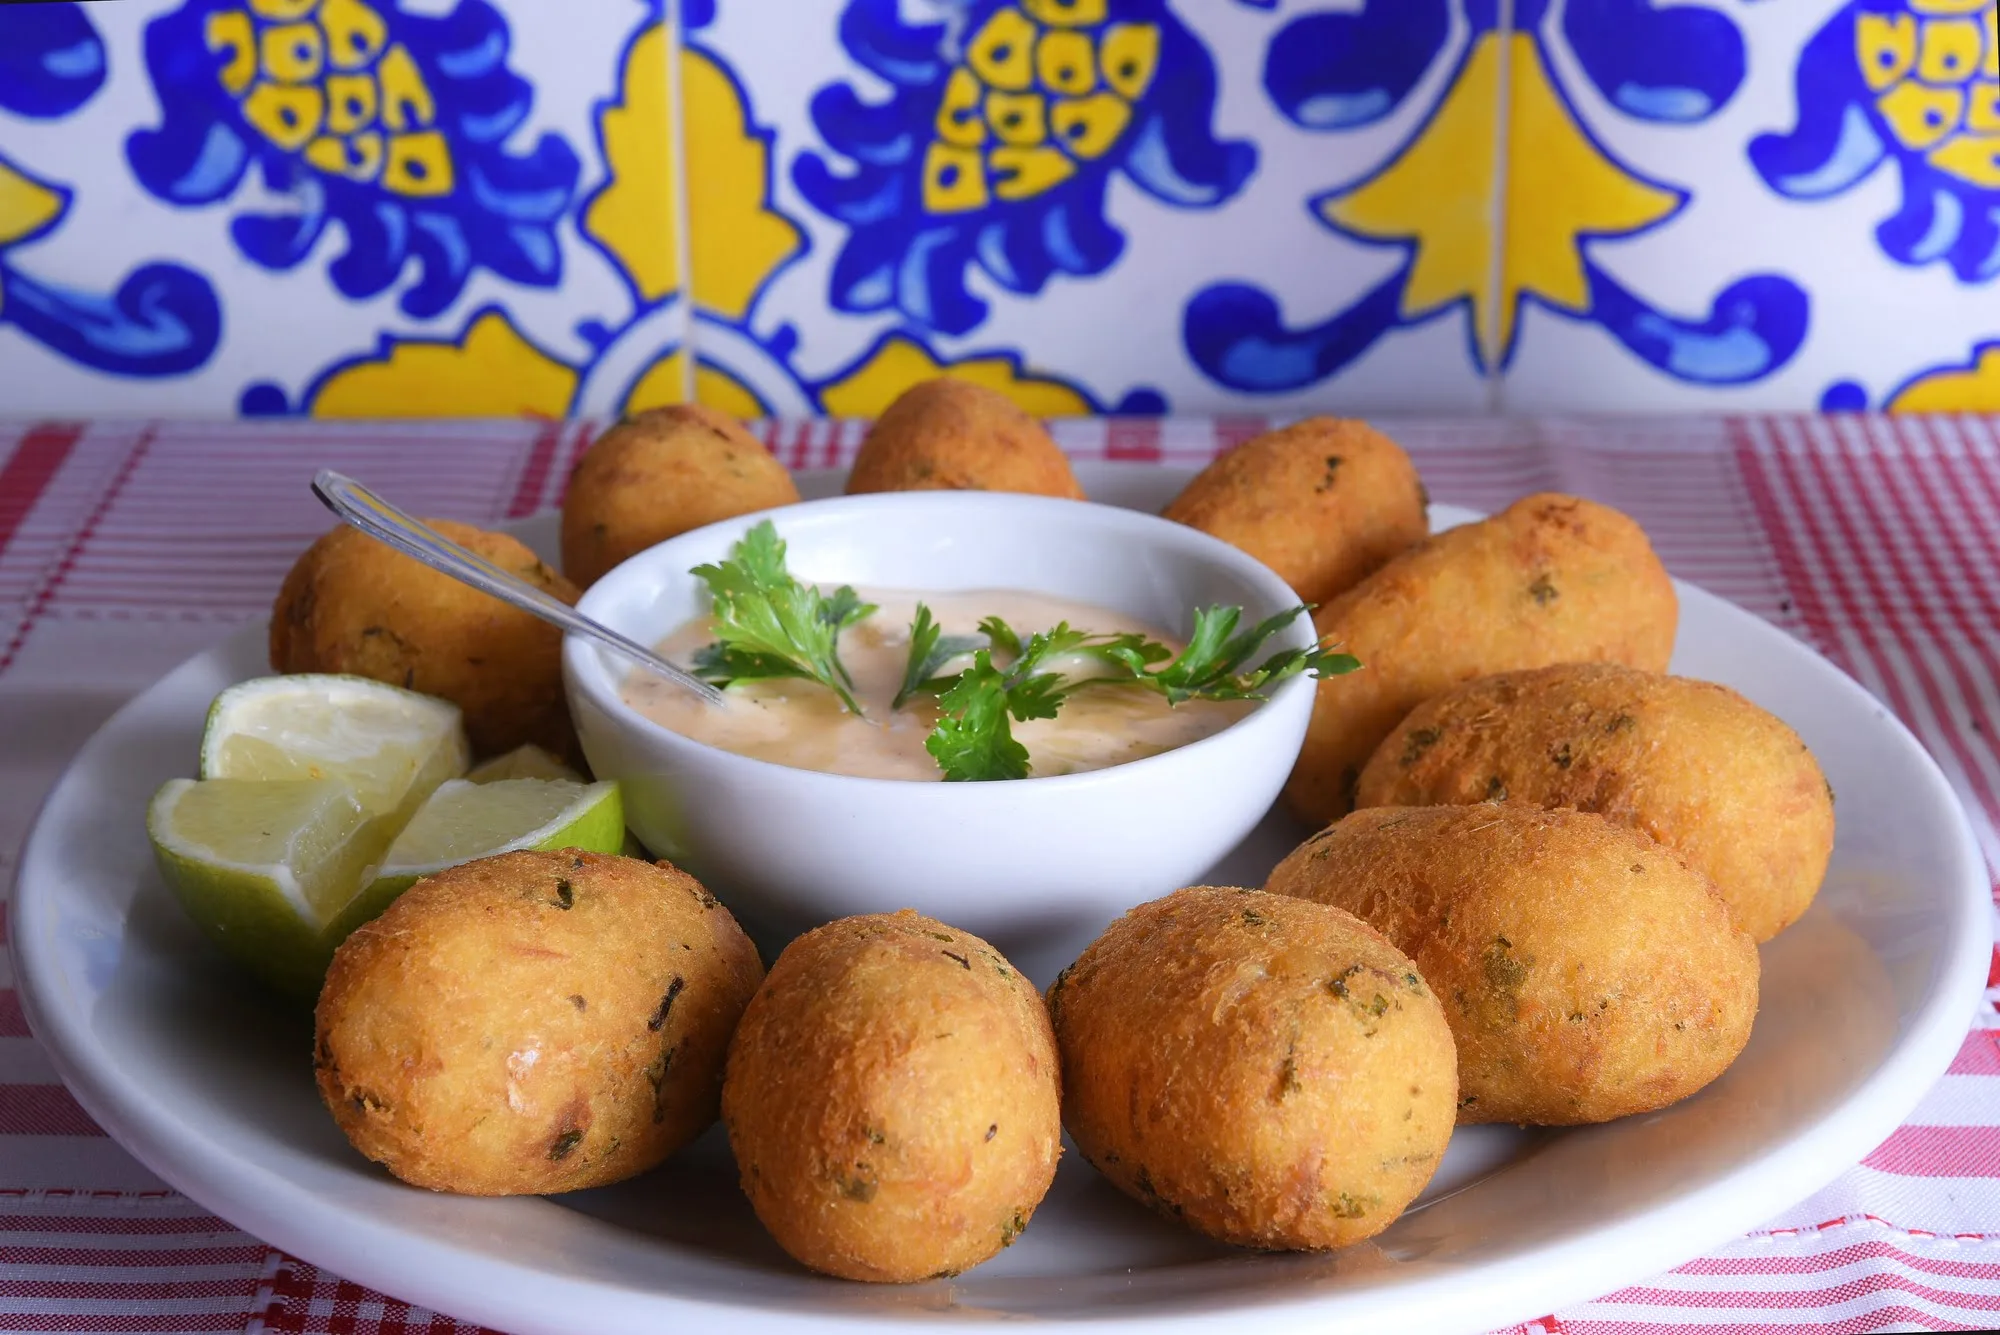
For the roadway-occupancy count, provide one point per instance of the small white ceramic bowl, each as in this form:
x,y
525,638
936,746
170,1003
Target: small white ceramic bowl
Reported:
x,y
1036,866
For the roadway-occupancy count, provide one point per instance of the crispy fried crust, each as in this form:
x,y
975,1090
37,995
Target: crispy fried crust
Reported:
x,y
1695,765
1271,1072
351,604
533,1023
1550,579
660,473
1587,972
952,435
1323,502
892,1099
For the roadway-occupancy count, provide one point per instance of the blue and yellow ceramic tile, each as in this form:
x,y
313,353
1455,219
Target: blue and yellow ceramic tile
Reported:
x,y
161,318
1854,160
1029,190
1493,223
391,208
490,364
487,206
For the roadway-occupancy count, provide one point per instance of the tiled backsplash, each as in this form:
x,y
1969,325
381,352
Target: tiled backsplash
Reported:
x,y
791,207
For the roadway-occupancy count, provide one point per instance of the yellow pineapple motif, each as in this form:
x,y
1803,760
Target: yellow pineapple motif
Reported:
x,y
1560,189
1044,88
323,79
1934,74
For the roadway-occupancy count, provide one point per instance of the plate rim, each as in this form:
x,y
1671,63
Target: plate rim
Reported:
x,y
239,1191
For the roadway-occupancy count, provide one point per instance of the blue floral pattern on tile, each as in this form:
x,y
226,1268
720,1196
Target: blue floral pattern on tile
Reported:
x,y
1916,83
1339,71
51,59
163,319
996,146
392,124
1677,65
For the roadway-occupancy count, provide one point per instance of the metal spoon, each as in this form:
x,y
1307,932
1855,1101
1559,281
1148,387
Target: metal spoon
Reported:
x,y
412,537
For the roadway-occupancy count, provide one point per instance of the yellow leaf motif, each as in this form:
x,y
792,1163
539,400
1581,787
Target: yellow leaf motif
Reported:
x,y
1439,194
491,372
661,384
1559,189
719,389
735,239
899,363
26,205
633,215
1957,389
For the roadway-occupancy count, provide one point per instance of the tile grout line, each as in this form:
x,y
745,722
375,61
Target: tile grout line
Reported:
x,y
1496,208
683,239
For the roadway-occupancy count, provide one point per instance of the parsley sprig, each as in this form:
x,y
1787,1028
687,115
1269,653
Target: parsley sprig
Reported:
x,y
974,739
768,624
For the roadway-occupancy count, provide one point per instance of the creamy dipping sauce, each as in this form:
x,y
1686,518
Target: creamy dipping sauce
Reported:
x,y
803,724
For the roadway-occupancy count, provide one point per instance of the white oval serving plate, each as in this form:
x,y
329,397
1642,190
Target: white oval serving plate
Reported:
x,y
1865,1001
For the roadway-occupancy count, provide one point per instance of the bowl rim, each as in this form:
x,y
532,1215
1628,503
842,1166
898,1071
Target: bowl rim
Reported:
x,y
584,669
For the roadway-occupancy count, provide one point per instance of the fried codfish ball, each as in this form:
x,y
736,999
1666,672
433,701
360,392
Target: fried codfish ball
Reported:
x,y
1695,765
1323,502
352,604
1550,579
892,1099
533,1022
660,473
1269,1071
1587,972
952,435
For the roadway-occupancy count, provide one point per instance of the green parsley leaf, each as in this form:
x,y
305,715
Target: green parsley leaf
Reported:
x,y
930,650
1001,636
972,741
768,624
1210,667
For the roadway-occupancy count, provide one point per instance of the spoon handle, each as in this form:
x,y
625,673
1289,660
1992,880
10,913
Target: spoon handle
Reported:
x,y
380,520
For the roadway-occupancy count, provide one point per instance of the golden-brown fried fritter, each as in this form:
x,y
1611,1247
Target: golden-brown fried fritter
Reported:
x,y
1721,782
1550,579
660,473
352,604
533,1022
1323,502
1587,972
892,1099
1269,1071
953,435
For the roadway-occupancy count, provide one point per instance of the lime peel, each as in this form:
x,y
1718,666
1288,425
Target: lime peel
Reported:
x,y
262,865
465,820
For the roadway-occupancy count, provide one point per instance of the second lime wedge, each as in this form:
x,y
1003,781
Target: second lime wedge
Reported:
x,y
523,762
465,820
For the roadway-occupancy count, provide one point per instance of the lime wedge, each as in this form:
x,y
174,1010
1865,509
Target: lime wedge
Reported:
x,y
465,820
391,747
264,866
523,762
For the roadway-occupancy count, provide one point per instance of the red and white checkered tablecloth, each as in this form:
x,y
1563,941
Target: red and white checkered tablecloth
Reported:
x,y
125,547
